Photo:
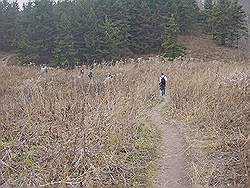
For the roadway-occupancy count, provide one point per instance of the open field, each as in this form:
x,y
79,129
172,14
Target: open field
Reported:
x,y
59,129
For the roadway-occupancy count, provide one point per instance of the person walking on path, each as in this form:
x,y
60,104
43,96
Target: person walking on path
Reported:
x,y
44,69
91,71
90,75
163,80
82,70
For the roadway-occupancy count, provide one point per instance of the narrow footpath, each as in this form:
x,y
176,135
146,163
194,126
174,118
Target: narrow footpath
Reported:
x,y
173,168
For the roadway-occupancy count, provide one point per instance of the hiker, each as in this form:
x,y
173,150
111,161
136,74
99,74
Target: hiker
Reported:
x,y
90,75
44,69
82,69
108,78
163,80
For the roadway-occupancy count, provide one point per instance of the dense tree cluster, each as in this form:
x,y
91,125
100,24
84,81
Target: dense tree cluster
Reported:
x,y
8,24
171,48
69,32
226,21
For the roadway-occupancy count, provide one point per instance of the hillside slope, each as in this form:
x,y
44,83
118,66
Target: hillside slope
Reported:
x,y
61,129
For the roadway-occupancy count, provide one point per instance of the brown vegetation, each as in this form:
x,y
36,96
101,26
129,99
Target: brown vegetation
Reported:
x,y
210,101
60,129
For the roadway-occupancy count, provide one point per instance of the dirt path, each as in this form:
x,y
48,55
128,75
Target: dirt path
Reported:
x,y
173,170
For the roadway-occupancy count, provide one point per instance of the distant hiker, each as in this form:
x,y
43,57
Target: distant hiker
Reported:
x,y
90,75
82,70
108,78
163,80
44,69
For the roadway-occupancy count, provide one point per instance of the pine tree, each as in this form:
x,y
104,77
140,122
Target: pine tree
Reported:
x,y
64,52
208,6
186,12
68,32
111,41
218,21
37,32
8,24
227,22
86,31
141,26
113,26
171,48
238,24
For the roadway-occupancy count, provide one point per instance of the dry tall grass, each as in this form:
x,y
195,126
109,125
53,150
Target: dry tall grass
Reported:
x,y
210,101
58,129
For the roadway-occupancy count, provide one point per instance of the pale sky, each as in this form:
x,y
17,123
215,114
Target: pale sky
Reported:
x,y
20,2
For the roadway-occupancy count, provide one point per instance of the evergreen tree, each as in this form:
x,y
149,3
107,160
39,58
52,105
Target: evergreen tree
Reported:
x,y
227,22
113,27
86,31
208,4
37,32
143,27
205,14
67,32
186,12
111,41
238,24
64,52
8,24
171,48
218,21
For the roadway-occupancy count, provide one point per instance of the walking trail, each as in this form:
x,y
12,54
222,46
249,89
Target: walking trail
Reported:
x,y
173,168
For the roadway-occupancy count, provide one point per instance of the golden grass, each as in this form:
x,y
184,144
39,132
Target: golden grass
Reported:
x,y
59,129
210,102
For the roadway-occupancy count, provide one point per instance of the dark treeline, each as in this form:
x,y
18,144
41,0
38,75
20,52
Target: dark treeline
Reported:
x,y
67,33
225,20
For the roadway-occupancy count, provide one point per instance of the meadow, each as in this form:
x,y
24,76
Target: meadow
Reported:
x,y
61,129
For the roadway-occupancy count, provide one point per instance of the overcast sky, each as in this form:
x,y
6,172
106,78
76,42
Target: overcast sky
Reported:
x,y
20,2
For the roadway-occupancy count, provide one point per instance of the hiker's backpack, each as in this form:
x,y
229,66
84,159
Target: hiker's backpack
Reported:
x,y
163,81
